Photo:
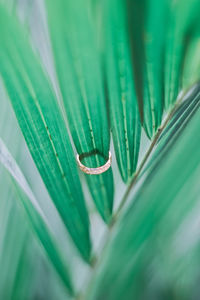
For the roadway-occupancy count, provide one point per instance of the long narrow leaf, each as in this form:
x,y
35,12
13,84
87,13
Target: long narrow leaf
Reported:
x,y
35,215
155,250
182,16
176,125
13,238
79,73
191,68
123,108
43,127
148,32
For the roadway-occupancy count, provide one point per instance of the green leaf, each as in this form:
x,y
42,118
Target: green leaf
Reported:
x,y
176,125
25,267
154,252
148,30
13,238
123,108
35,215
43,127
22,286
191,68
81,84
182,16
154,36
34,277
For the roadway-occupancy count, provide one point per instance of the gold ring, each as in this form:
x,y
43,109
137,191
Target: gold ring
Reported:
x,y
95,171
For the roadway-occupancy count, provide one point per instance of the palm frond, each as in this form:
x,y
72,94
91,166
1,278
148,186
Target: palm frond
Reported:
x,y
33,99
89,76
152,243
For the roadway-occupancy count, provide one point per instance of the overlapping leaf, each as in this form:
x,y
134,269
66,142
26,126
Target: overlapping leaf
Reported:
x,y
79,73
123,108
182,16
35,215
21,256
43,127
12,239
154,253
178,122
148,31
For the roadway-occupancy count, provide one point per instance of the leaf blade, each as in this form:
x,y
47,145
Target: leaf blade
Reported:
x,y
44,130
35,215
123,108
81,84
147,21
182,16
146,244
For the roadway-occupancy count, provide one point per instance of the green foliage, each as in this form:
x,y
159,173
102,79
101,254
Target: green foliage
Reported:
x,y
123,108
152,242
183,14
34,213
75,49
145,17
84,77
43,127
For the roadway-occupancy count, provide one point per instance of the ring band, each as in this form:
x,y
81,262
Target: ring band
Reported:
x,y
95,171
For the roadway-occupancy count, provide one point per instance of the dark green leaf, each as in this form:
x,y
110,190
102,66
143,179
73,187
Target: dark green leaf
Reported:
x,y
183,14
123,108
191,68
154,36
148,30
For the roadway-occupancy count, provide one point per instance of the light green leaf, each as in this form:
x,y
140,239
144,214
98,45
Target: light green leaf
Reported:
x,y
13,238
123,108
154,252
34,277
81,84
23,261
35,215
43,127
